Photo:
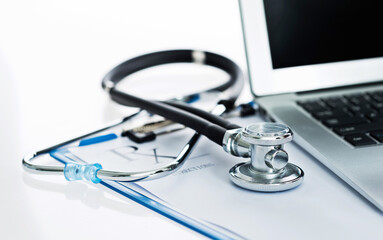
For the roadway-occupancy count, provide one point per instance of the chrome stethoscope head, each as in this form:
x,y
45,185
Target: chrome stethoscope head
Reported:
x,y
268,170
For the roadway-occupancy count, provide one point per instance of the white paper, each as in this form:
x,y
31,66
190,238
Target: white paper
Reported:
x,y
322,207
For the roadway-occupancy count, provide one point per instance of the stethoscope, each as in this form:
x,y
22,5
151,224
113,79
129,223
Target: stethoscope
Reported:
x,y
268,169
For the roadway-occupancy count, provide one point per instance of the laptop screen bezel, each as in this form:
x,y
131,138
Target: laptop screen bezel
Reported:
x,y
265,80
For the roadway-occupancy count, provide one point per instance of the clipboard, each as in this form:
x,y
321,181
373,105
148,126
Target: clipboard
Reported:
x,y
201,196
110,136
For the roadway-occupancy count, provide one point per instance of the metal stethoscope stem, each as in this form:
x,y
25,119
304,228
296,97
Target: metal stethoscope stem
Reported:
x,y
268,169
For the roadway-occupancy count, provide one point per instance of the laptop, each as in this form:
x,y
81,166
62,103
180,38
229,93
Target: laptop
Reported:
x,y
317,66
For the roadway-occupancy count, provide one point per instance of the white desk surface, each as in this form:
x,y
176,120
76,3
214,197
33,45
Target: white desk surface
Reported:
x,y
53,55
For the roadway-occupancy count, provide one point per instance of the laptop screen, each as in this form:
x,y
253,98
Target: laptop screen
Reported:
x,y
312,32
301,45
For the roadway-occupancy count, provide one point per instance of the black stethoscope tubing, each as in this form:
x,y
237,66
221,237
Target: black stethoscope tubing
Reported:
x,y
201,121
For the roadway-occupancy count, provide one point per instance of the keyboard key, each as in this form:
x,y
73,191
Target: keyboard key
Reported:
x,y
359,128
359,98
338,122
377,98
378,106
375,117
313,106
335,113
359,140
335,102
377,135
361,109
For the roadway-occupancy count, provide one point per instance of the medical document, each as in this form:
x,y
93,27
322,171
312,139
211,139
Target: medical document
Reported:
x,y
202,190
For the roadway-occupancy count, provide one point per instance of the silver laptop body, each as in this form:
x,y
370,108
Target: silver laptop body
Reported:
x,y
280,87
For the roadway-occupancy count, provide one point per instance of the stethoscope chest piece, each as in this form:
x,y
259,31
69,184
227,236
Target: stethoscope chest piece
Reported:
x,y
268,170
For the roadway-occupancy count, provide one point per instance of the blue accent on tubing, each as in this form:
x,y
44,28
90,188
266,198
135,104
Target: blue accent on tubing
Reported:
x,y
74,171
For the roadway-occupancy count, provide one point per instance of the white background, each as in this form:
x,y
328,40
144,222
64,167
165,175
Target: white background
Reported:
x,y
53,55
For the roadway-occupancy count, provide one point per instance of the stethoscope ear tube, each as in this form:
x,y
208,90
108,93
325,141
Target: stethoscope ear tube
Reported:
x,y
232,88
205,123
199,124
206,115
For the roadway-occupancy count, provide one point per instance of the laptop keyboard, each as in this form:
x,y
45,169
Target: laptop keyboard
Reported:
x,y
358,118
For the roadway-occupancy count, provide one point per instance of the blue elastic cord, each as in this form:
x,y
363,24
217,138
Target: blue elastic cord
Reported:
x,y
75,171
193,98
97,139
